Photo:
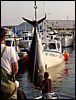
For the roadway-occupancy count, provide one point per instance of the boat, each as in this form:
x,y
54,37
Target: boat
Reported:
x,y
27,38
54,60
67,39
50,34
12,40
41,59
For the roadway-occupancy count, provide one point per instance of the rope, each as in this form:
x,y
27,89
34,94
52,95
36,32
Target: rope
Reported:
x,y
3,51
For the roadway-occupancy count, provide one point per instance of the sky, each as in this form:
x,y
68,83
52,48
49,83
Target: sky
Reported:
x,y
13,11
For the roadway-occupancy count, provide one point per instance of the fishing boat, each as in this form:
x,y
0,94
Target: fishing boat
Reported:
x,y
54,60
67,39
50,59
12,40
27,38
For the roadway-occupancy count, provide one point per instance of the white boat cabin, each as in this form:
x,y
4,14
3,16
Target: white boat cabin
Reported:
x,y
27,39
14,42
53,45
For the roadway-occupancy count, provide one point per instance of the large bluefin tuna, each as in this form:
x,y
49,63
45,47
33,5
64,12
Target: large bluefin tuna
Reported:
x,y
36,66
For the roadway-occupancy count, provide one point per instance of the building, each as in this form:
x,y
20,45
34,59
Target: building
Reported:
x,y
59,25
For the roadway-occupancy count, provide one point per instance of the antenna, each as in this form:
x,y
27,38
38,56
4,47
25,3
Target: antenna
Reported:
x,y
67,17
35,6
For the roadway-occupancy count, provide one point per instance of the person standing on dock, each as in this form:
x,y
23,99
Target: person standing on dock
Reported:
x,y
46,87
9,68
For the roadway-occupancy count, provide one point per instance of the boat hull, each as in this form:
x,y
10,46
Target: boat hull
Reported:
x,y
55,64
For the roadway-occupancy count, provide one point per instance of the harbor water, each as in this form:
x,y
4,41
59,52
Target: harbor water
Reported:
x,y
65,82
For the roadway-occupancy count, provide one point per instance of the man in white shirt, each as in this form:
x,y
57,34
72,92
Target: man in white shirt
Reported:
x,y
9,59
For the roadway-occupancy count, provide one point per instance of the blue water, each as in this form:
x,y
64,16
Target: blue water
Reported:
x,y
67,83
64,84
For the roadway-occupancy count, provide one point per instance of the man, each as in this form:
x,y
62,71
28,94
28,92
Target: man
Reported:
x,y
9,60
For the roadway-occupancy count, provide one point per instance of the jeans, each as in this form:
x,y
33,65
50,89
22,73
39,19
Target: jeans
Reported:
x,y
46,96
